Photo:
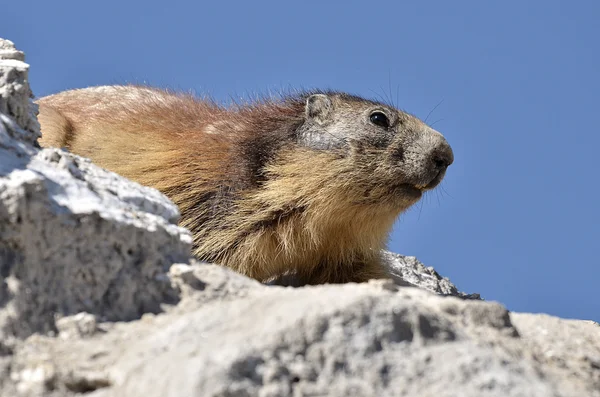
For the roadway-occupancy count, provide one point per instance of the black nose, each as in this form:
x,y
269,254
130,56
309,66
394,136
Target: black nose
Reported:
x,y
441,162
442,156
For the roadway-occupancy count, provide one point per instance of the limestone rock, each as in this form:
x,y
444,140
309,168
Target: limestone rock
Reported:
x,y
73,237
407,270
231,336
17,111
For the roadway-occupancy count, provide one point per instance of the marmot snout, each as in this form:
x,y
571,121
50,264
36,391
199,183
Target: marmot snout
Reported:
x,y
309,184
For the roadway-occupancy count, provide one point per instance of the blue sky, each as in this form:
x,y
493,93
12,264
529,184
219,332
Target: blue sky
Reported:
x,y
517,83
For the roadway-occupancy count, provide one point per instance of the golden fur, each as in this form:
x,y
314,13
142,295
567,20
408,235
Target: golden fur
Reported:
x,y
254,198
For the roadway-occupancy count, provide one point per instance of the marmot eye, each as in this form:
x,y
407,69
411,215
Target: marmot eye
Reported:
x,y
380,119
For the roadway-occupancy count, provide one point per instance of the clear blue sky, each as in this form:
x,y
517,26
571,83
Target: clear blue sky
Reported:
x,y
517,219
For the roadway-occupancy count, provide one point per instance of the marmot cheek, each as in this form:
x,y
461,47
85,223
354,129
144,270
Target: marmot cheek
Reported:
x,y
397,154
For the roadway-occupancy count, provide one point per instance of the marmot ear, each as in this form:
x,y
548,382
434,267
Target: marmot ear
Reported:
x,y
319,108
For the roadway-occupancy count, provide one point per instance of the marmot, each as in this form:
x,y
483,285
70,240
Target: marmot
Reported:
x,y
308,184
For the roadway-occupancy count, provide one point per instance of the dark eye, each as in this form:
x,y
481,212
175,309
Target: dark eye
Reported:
x,y
379,119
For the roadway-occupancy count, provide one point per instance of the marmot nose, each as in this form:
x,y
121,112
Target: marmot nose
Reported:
x,y
442,156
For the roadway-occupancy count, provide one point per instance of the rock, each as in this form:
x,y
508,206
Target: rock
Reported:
x,y
17,111
78,326
231,336
404,271
569,350
73,237
99,296
407,270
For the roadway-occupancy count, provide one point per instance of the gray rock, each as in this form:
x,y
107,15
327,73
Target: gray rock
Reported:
x,y
73,237
407,270
231,336
17,111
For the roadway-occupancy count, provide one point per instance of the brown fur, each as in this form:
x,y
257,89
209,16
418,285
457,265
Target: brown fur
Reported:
x,y
257,195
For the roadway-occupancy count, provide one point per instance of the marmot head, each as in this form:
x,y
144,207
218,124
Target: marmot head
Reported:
x,y
395,157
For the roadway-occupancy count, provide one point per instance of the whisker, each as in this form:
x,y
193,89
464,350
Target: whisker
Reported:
x,y
378,96
432,124
445,191
387,99
421,206
432,110
390,88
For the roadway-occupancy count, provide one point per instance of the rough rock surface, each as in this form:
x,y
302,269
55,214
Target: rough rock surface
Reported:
x,y
99,296
408,271
73,237
231,336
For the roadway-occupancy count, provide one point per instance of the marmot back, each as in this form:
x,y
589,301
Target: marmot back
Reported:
x,y
309,184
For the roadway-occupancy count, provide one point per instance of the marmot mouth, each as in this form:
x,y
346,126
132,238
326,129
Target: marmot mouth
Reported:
x,y
407,190
435,181
414,190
